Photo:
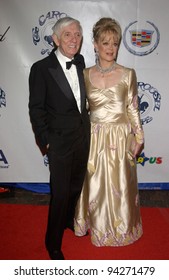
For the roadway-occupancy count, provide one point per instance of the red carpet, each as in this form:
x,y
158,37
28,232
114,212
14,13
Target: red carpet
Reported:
x,y
22,231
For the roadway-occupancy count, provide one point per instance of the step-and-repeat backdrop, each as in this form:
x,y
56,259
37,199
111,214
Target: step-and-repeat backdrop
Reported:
x,y
25,36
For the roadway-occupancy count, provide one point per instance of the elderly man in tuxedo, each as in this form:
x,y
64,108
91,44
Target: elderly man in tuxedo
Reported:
x,y
60,121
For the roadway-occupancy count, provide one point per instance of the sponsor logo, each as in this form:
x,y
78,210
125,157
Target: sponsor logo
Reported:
x,y
2,98
149,101
3,160
46,160
42,33
142,159
2,37
141,41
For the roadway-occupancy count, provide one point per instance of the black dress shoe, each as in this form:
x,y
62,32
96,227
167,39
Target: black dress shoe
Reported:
x,y
56,255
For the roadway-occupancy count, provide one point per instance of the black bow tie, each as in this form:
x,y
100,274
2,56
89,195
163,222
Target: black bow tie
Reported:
x,y
74,61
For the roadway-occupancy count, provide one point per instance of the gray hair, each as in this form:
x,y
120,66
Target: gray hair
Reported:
x,y
63,22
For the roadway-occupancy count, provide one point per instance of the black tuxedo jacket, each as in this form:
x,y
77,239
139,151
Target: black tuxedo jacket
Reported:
x,y
53,110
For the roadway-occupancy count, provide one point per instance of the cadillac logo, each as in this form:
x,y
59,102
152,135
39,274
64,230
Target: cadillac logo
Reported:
x,y
141,41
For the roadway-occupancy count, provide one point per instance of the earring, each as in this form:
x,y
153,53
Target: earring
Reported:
x,y
96,55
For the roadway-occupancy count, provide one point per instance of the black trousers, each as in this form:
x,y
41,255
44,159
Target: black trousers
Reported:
x,y
66,179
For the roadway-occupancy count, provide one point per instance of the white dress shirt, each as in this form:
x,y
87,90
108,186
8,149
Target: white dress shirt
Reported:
x,y
71,76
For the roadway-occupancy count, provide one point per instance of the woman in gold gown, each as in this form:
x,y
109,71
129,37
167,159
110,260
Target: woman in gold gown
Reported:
x,y
109,203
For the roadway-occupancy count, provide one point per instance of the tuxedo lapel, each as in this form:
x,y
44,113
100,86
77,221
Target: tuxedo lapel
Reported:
x,y
62,82
57,73
82,87
80,66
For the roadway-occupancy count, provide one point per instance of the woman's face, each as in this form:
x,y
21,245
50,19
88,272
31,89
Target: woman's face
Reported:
x,y
107,46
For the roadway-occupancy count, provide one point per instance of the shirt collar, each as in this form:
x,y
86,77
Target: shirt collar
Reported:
x,y
62,59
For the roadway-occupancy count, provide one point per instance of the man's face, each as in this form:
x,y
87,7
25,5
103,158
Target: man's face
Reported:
x,y
69,40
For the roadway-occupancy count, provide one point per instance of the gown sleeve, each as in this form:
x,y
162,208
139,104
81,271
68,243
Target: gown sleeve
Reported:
x,y
133,108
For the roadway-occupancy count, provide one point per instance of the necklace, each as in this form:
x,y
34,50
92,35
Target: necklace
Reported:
x,y
105,70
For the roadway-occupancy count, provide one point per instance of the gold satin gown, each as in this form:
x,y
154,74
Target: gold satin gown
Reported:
x,y
109,203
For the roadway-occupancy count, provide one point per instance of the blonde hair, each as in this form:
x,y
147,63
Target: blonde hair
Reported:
x,y
104,25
